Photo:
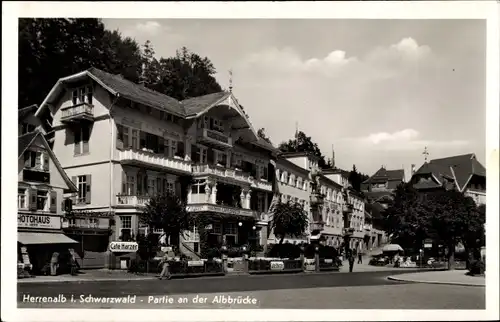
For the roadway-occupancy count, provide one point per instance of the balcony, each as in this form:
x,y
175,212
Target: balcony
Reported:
x,y
215,138
317,226
205,207
261,184
86,225
149,159
131,201
77,113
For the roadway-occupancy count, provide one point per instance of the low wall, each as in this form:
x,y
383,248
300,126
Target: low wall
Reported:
x,y
274,265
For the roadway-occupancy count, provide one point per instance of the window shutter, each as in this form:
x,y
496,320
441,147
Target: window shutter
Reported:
x,y
53,201
124,183
46,161
73,178
38,161
89,189
119,137
32,199
27,161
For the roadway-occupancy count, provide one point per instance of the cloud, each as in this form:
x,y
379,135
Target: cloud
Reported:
x,y
379,63
148,27
404,140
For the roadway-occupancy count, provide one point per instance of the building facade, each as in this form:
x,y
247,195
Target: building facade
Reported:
x,y
463,173
42,186
122,143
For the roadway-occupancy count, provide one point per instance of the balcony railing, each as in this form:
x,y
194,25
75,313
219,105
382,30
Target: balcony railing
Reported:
x,y
262,184
238,175
205,207
85,224
79,112
214,137
132,201
154,160
317,226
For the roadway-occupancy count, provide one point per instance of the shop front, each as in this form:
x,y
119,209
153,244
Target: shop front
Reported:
x,y
39,237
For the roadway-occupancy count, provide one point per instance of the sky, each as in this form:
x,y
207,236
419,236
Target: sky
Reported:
x,y
378,91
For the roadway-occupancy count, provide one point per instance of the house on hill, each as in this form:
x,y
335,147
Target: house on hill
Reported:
x,y
461,172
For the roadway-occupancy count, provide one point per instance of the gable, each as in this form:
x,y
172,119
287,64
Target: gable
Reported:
x,y
37,143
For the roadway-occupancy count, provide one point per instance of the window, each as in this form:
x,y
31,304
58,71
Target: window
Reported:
x,y
221,158
36,160
199,154
126,228
82,95
129,185
42,200
260,202
82,189
292,180
236,160
82,136
231,232
151,187
21,199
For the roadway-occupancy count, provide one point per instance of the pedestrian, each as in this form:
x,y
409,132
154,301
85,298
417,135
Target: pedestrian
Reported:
x,y
351,259
54,263
164,263
360,258
72,262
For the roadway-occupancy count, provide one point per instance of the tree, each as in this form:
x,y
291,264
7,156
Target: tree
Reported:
x,y
167,212
262,134
407,218
303,143
53,48
183,76
289,219
356,178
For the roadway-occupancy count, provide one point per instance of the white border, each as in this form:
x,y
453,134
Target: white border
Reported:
x,y
370,10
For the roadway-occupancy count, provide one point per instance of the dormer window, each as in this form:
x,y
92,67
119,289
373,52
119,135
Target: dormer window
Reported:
x,y
36,160
82,95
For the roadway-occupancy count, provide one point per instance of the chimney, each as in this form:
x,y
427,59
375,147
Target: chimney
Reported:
x,y
333,158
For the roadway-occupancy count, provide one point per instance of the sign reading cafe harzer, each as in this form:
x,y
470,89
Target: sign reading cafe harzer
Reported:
x,y
123,247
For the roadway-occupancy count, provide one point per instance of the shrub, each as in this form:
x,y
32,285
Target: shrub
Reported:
x,y
286,250
477,267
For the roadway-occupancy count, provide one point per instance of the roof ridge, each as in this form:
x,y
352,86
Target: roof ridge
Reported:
x,y
454,156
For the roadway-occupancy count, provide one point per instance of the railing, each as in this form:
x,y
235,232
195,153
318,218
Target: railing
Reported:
x,y
135,201
216,137
222,209
262,184
130,156
239,175
84,110
84,224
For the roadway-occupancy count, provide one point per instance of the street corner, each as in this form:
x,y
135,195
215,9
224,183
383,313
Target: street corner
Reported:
x,y
457,277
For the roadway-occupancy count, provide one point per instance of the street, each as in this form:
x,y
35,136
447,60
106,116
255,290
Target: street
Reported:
x,y
358,290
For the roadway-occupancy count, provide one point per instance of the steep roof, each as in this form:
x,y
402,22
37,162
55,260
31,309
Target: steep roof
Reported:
x,y
383,175
195,105
24,142
25,111
459,168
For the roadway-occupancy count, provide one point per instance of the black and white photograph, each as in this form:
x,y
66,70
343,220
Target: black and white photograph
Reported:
x,y
241,163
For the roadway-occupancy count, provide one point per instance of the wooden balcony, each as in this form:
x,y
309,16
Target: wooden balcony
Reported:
x,y
77,113
153,160
125,201
215,138
206,207
87,226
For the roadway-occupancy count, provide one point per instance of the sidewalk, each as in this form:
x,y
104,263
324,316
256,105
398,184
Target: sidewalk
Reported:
x,y
455,277
89,275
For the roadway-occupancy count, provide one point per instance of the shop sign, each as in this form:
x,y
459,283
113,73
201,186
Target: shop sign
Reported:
x,y
195,263
328,261
38,221
123,247
277,266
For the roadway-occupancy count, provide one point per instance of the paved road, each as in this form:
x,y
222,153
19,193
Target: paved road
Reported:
x,y
362,290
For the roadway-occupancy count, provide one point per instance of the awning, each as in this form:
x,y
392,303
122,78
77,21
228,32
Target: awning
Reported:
x,y
37,238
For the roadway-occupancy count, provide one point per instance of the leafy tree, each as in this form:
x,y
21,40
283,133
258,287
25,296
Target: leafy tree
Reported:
x,y
303,143
53,48
167,212
262,134
183,76
288,219
474,236
407,218
356,178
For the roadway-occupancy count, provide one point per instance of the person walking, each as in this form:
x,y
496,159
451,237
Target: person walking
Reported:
x,y
351,258
54,263
360,258
165,272
72,262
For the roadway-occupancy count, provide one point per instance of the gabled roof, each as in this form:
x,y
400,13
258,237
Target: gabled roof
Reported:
x,y
198,104
383,175
459,168
26,111
25,141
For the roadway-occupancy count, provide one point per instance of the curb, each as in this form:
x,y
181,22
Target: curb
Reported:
x,y
392,278
34,281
